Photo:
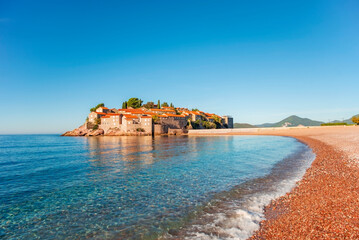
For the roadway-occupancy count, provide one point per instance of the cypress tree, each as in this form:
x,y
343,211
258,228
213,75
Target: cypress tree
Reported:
x,y
124,105
158,104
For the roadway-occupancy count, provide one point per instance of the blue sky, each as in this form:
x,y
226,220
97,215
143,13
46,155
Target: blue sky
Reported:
x,y
259,61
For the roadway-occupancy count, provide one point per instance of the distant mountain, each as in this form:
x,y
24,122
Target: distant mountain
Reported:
x,y
292,121
348,121
243,125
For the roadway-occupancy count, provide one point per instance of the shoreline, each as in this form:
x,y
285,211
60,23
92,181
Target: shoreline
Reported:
x,y
325,202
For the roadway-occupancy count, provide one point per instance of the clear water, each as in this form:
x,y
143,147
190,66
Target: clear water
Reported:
x,y
54,187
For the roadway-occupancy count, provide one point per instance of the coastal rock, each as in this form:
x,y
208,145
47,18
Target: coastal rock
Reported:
x,y
97,132
83,130
114,132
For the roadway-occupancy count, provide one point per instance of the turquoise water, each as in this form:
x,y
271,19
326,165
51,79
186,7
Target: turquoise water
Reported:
x,y
54,187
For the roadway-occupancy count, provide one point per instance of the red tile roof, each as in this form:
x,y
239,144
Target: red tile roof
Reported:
x,y
131,117
100,113
195,113
162,110
113,114
132,110
145,117
105,117
174,115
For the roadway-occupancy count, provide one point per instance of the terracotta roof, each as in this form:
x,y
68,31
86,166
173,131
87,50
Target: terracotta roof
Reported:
x,y
163,116
195,113
131,117
174,115
100,113
105,117
104,107
162,110
113,114
132,110
146,117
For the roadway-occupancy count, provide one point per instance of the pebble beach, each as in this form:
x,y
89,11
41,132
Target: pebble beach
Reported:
x,y
325,203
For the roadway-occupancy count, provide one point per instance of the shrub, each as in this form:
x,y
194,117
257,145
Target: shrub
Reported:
x,y
209,125
98,105
355,119
155,119
333,124
195,125
98,121
140,130
95,127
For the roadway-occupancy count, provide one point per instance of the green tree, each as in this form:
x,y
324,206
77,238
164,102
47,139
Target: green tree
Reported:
x,y
171,105
195,109
134,103
209,125
355,119
124,105
158,104
149,105
164,104
155,119
98,105
98,121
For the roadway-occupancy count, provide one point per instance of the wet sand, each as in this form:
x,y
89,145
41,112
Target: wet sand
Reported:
x,y
325,203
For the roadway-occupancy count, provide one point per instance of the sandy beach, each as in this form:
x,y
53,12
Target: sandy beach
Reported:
x,y
325,203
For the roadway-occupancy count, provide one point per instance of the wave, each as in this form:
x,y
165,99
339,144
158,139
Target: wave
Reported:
x,y
236,214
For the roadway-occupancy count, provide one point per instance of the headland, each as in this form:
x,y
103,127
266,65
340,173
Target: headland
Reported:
x,y
137,119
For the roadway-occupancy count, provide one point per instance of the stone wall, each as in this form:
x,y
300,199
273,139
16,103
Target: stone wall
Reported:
x,y
177,131
159,129
173,123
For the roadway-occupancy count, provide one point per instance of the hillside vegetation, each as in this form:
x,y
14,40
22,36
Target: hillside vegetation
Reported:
x,y
243,125
292,121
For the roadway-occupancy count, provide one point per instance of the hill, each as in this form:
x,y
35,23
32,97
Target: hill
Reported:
x,y
243,125
292,121
348,121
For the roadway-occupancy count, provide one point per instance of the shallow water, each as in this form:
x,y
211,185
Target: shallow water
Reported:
x,y
55,187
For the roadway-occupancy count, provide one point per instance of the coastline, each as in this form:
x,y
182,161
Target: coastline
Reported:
x,y
325,202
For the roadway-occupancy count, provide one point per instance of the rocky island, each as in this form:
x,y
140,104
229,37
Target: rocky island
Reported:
x,y
137,119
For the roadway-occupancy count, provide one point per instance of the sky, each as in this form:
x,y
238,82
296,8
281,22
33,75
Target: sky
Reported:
x,y
259,61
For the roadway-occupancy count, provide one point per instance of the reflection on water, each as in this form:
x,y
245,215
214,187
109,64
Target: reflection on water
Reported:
x,y
121,187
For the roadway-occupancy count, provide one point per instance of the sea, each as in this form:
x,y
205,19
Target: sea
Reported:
x,y
166,187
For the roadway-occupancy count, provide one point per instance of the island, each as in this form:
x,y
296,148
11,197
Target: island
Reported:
x,y
137,119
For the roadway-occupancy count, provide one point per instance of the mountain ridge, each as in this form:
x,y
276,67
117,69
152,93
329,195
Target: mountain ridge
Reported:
x,y
292,121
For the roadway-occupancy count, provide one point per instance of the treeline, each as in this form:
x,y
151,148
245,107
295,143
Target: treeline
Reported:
x,y
137,103
334,124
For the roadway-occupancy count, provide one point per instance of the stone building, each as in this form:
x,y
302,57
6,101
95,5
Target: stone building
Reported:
x,y
102,109
95,115
228,120
111,121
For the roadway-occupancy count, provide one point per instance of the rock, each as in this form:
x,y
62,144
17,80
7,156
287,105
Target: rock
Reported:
x,y
83,130
97,132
